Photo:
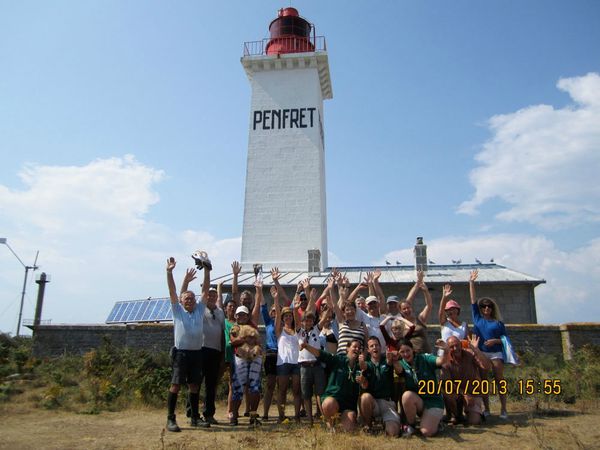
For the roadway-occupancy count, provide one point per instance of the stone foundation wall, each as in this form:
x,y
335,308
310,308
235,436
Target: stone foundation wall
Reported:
x,y
56,340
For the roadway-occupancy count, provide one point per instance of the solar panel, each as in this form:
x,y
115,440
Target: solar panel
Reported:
x,y
136,311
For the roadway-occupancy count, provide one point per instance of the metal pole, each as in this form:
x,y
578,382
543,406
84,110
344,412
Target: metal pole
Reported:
x,y
22,299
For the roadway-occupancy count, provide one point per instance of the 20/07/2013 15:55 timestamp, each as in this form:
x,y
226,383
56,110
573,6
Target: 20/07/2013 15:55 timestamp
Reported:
x,y
488,387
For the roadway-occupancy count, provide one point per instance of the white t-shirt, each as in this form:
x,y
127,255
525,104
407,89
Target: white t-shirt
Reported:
x,y
372,324
450,330
214,324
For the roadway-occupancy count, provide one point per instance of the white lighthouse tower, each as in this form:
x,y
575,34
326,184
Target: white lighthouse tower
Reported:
x,y
285,216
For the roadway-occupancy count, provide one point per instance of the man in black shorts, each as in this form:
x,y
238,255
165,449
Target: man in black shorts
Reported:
x,y
187,357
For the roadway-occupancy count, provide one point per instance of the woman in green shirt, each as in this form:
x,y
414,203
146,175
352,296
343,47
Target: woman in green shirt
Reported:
x,y
341,394
422,396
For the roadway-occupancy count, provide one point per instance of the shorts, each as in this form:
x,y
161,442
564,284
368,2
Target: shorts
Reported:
x,y
312,377
187,366
245,373
270,363
438,413
494,355
288,369
386,409
344,404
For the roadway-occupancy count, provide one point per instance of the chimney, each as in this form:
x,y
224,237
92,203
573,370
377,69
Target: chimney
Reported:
x,y
420,255
314,261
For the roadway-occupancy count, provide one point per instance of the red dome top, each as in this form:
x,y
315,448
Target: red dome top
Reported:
x,y
290,33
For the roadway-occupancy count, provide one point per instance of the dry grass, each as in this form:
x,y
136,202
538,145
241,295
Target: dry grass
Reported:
x,y
531,426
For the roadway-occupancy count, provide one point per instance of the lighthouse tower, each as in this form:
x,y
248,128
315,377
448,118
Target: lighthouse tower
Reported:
x,y
285,217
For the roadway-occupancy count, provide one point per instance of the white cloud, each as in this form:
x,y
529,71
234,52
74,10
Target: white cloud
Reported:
x,y
573,278
543,161
90,224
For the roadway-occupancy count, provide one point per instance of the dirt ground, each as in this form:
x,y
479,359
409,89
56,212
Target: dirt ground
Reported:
x,y
24,426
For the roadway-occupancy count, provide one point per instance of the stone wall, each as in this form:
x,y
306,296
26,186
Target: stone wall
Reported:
x,y
56,340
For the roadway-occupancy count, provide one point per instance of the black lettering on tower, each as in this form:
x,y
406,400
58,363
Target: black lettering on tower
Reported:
x,y
257,119
294,118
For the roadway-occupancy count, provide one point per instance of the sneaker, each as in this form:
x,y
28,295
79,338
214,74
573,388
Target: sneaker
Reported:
x,y
211,420
503,416
302,413
233,421
247,414
172,425
408,431
486,414
265,418
199,422
254,420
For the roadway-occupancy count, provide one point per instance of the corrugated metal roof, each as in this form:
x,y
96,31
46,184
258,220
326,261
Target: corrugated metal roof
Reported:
x,y
454,273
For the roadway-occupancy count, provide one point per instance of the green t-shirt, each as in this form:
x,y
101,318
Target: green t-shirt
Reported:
x,y
342,383
423,370
228,347
381,379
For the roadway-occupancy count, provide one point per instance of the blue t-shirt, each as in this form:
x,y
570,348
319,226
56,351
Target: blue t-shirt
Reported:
x,y
188,327
270,338
487,329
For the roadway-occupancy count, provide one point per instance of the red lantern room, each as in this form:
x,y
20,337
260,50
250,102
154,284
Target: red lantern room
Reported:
x,y
290,33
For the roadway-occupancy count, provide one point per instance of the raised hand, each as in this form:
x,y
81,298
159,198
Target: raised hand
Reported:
x,y
190,275
299,288
473,275
335,274
446,291
306,285
330,282
236,267
314,295
474,341
275,274
258,284
440,343
420,276
273,292
171,263
376,274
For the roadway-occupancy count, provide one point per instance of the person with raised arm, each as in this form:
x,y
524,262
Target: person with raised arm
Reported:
x,y
212,349
376,400
341,394
417,332
350,328
186,356
287,358
463,369
312,375
270,362
245,340
422,397
375,306
448,317
488,326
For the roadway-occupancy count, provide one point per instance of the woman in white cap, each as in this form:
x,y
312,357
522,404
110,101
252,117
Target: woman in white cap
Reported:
x,y
247,364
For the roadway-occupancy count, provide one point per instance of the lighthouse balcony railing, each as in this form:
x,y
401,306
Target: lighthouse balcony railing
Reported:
x,y
285,44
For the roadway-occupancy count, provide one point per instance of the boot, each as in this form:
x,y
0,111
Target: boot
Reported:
x,y
172,424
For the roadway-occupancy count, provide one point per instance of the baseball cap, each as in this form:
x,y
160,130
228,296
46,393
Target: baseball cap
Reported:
x,y
242,309
392,299
371,299
451,304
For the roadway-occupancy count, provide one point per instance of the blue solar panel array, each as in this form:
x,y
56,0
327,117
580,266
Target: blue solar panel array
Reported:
x,y
134,311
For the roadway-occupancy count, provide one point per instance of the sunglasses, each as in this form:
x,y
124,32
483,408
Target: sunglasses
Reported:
x,y
487,305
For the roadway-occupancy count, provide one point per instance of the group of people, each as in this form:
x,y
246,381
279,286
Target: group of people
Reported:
x,y
364,360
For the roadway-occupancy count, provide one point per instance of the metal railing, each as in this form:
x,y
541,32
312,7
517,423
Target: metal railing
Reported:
x,y
292,44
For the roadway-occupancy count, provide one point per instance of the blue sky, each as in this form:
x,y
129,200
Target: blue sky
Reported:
x,y
124,126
